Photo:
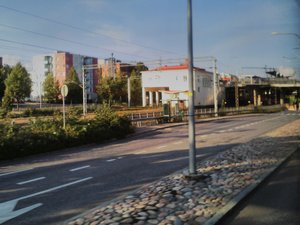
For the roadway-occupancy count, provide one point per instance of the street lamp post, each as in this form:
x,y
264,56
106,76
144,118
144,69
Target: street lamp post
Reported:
x,y
192,147
128,90
215,80
84,102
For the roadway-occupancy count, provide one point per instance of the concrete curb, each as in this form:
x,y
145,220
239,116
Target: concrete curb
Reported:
x,y
244,193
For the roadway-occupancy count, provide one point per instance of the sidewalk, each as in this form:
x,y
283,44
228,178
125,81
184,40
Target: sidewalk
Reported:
x,y
229,177
274,202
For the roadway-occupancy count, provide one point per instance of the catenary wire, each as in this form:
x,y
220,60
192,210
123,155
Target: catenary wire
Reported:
x,y
82,29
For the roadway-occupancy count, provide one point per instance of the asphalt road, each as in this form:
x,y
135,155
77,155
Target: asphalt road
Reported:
x,y
50,188
274,202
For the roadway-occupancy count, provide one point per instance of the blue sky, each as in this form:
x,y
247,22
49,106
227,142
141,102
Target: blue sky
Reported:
x,y
236,32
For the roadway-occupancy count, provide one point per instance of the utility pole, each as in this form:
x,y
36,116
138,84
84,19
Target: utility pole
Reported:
x,y
215,80
128,90
236,93
40,84
113,74
191,127
84,100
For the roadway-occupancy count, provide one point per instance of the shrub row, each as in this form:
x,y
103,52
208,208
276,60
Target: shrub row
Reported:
x,y
43,135
30,112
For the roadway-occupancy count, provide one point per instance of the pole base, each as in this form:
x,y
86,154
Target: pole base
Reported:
x,y
194,176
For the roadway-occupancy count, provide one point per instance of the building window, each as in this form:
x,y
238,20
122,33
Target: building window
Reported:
x,y
184,78
198,89
206,82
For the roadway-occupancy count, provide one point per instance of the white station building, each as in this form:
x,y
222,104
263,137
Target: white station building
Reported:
x,y
169,84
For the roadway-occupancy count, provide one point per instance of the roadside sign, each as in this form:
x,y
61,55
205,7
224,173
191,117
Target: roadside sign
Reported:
x,y
64,93
64,90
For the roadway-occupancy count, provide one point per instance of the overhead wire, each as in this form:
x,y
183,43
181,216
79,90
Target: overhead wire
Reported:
x,y
66,40
82,29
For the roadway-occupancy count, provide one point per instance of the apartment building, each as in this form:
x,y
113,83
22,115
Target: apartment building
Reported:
x,y
112,67
59,63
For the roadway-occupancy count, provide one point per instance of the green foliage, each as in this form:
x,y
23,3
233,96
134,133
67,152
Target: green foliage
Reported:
x,y
74,87
112,90
136,88
18,86
51,89
3,113
30,112
291,99
4,72
43,135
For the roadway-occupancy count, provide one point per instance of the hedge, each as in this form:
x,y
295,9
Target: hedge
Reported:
x,y
44,135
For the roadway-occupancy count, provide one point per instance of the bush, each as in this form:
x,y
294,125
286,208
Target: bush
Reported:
x,y
30,112
3,112
43,135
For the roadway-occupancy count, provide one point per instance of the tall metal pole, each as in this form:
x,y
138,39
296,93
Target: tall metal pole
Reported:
x,y
83,92
128,90
192,147
215,80
64,113
40,84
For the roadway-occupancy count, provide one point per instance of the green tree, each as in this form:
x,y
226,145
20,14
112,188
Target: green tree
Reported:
x,y
4,72
51,89
136,88
119,89
74,86
136,84
104,90
111,90
17,86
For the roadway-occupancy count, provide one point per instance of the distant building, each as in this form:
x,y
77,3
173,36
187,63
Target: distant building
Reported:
x,y
1,62
60,63
111,67
169,84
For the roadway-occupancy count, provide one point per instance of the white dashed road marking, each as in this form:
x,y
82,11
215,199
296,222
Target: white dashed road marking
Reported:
x,y
30,181
79,168
20,171
111,160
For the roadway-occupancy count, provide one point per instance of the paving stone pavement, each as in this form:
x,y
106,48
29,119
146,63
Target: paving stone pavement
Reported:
x,y
227,178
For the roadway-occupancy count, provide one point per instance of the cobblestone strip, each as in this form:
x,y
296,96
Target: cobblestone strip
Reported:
x,y
180,201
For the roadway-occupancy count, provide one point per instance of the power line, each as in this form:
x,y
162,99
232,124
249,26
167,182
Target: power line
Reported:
x,y
66,40
82,29
15,48
28,44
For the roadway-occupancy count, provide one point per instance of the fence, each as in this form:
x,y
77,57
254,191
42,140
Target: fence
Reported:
x,y
146,119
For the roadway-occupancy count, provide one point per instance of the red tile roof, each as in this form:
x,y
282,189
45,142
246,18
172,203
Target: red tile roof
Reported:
x,y
176,67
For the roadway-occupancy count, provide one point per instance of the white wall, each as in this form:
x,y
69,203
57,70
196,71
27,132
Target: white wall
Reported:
x,y
38,74
203,88
174,79
178,80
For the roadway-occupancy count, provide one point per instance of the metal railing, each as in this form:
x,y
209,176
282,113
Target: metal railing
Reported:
x,y
154,118
268,81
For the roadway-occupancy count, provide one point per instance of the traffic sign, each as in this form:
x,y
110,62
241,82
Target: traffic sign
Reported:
x,y
64,90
